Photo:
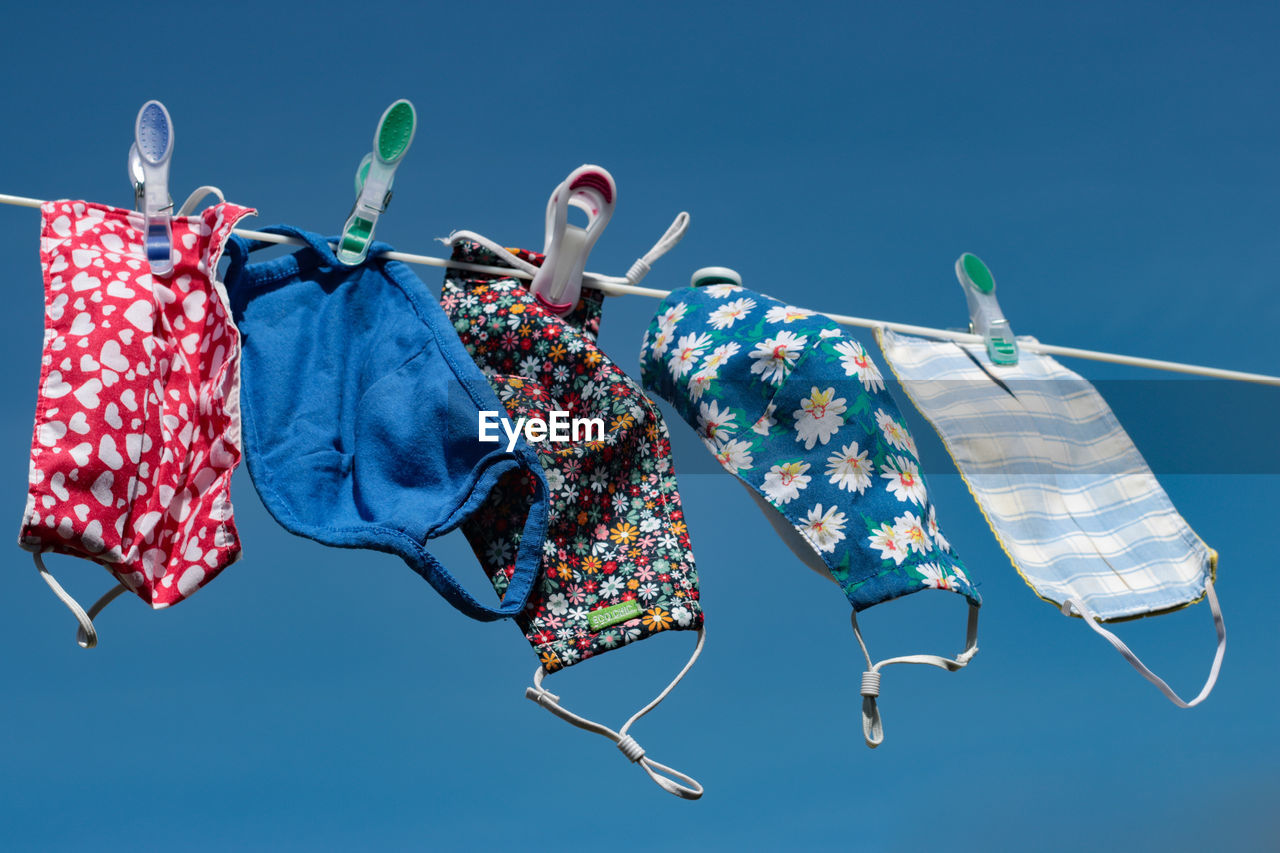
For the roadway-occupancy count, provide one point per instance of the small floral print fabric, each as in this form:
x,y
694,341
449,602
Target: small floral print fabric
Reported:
x,y
799,412
615,531
137,427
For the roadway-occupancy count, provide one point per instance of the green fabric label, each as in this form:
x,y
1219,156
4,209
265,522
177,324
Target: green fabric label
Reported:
x,y
606,616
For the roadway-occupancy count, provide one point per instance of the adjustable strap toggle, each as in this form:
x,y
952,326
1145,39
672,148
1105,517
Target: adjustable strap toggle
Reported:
x,y
670,780
872,727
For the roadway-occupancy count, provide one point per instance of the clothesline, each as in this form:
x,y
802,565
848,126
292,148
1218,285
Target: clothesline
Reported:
x,y
618,286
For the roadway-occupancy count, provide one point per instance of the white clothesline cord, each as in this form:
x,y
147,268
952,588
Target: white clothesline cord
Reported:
x,y
619,286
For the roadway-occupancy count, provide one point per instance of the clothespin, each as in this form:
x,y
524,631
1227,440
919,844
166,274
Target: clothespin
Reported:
x,y
137,178
558,282
985,317
374,177
715,275
149,170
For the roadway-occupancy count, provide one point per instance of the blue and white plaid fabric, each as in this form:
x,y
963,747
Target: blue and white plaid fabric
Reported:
x,y
1065,491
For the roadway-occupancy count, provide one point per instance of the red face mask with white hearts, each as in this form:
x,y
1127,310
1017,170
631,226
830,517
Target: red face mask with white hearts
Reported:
x,y
137,428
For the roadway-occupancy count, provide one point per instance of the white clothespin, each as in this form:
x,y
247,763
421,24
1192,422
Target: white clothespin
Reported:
x,y
558,282
985,317
149,170
374,177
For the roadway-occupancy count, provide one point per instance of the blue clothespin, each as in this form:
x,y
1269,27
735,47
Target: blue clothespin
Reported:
x,y
985,317
558,282
149,171
374,177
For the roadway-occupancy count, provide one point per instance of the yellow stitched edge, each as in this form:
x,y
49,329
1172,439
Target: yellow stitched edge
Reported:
x,y
946,445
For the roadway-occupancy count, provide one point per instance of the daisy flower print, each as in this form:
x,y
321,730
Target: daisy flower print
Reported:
x,y
850,469
687,352
823,529
786,314
909,530
720,291
903,475
856,362
714,424
735,456
783,482
894,433
819,417
731,312
774,357
885,540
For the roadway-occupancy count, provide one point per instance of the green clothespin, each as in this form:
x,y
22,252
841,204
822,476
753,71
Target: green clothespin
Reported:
x,y
985,317
374,177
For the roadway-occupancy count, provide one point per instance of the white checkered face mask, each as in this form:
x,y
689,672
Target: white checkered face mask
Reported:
x,y
1066,492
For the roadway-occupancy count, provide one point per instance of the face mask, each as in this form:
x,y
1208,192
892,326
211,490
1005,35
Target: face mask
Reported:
x,y
137,430
617,566
1066,493
360,409
799,414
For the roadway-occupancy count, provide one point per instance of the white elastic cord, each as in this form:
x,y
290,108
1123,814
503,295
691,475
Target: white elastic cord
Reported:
x,y
674,234
665,243
189,206
666,777
1092,621
86,634
501,251
872,728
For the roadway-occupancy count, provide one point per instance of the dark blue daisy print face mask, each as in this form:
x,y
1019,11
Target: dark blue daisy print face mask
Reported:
x,y
799,413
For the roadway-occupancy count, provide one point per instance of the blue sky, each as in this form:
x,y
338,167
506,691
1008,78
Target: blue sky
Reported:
x,y
1115,165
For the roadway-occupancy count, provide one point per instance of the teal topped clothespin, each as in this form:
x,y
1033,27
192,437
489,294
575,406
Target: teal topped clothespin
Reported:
x,y
374,177
985,317
149,171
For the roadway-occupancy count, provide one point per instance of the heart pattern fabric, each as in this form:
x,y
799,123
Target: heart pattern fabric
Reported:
x,y
137,427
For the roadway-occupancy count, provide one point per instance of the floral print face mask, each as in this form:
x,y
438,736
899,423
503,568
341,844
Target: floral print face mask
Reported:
x,y
617,565
799,413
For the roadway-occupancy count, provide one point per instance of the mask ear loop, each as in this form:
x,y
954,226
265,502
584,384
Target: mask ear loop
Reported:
x,y
674,234
666,777
189,206
872,728
86,634
1093,622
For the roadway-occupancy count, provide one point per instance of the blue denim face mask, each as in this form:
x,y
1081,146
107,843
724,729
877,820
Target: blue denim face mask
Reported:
x,y
360,410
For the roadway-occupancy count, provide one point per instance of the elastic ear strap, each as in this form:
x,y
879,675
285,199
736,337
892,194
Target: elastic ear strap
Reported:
x,y
670,780
86,634
189,206
1092,621
503,255
872,727
527,566
674,234
529,551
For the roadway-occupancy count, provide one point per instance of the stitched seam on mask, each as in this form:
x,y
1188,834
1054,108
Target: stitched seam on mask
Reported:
x,y
33,515
524,456
393,271
227,530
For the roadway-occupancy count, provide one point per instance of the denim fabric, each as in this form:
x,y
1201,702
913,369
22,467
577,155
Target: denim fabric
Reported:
x,y
360,410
